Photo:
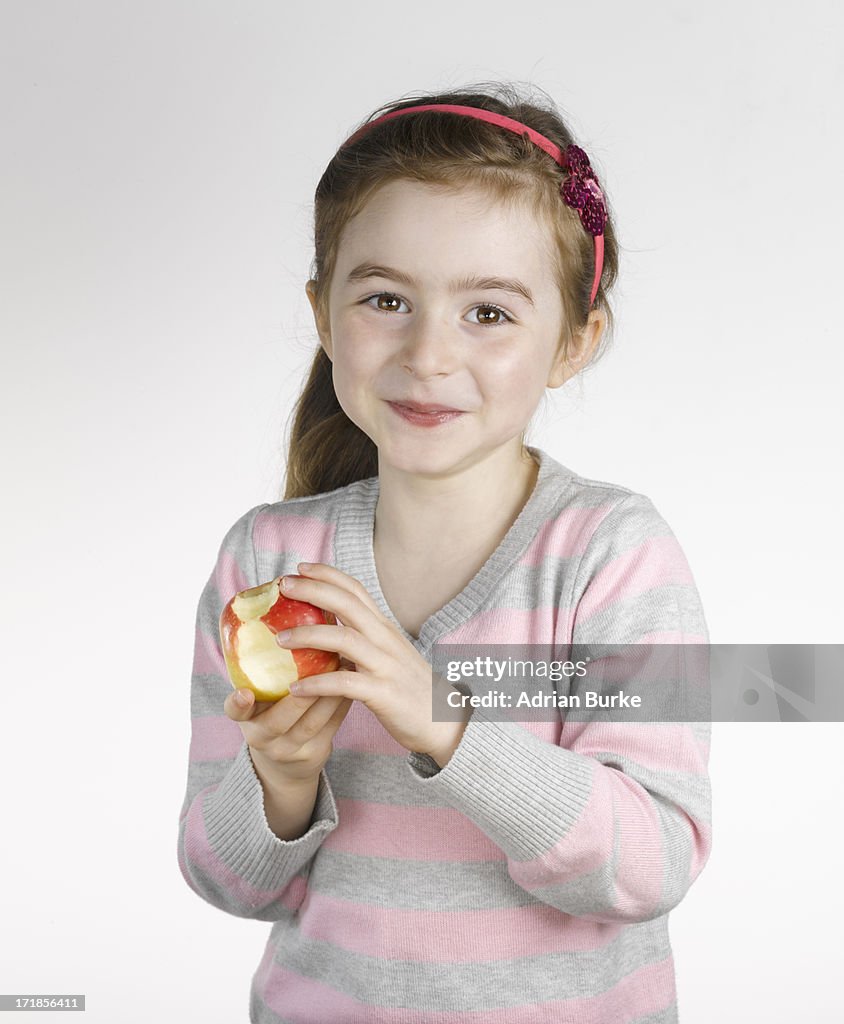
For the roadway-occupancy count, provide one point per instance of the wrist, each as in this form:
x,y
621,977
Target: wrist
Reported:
x,y
288,775
447,742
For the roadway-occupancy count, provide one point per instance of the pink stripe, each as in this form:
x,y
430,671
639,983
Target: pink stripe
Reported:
x,y
442,936
229,578
566,534
281,533
663,747
300,1000
641,858
198,852
542,625
641,663
360,730
653,563
427,833
214,738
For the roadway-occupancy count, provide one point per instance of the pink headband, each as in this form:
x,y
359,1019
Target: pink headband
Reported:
x,y
580,189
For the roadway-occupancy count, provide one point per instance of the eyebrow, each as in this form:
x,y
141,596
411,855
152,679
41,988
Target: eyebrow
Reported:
x,y
505,284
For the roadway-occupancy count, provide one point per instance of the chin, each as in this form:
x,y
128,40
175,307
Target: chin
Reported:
x,y
420,457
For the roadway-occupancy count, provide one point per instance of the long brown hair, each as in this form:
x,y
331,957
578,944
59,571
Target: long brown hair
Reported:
x,y
326,449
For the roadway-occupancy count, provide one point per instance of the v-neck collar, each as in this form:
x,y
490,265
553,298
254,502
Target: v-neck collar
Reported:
x,y
356,555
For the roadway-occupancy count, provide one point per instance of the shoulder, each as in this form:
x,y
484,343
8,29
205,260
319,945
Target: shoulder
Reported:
x,y
620,513
632,578
596,522
323,507
620,521
302,528
589,516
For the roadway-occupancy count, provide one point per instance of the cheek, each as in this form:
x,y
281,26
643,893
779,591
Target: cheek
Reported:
x,y
355,366
513,377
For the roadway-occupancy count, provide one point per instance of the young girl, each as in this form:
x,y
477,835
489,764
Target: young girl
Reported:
x,y
417,870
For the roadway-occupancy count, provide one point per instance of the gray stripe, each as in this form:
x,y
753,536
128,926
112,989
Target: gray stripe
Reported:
x,y
416,884
377,778
626,620
208,693
222,898
689,791
203,774
473,986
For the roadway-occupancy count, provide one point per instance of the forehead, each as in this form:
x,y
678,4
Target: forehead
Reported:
x,y
433,233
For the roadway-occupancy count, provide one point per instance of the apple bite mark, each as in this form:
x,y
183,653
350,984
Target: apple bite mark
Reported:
x,y
248,626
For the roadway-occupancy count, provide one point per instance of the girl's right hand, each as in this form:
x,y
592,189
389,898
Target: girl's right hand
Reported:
x,y
290,738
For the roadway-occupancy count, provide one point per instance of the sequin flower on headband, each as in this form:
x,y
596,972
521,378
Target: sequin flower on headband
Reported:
x,y
582,191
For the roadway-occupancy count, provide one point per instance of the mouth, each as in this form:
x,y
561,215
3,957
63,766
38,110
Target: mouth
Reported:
x,y
424,414
424,406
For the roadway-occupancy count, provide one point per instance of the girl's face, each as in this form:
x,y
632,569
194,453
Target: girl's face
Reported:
x,y
448,299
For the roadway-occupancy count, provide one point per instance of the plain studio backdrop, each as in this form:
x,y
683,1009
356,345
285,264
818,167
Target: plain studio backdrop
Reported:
x,y
158,169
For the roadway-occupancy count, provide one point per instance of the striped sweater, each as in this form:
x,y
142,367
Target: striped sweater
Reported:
x,y
527,881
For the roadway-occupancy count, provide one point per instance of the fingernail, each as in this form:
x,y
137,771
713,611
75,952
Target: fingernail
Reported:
x,y
287,582
241,699
282,636
305,565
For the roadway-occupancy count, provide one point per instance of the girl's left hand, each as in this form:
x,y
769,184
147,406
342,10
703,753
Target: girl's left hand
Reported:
x,y
386,671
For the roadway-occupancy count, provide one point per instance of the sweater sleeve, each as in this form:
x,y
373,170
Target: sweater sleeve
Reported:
x,y
227,852
611,824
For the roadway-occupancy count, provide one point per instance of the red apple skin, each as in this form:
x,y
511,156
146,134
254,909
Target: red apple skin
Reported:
x,y
285,613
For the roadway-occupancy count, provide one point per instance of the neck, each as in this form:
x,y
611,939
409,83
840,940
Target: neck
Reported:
x,y
455,514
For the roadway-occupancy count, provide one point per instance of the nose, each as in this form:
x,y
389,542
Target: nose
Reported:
x,y
429,349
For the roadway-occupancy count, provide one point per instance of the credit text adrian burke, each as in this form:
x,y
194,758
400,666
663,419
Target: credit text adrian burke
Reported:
x,y
500,699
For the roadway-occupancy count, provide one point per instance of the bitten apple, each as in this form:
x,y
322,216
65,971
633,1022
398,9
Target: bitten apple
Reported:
x,y
248,625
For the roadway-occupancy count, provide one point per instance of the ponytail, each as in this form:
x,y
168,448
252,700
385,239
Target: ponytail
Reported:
x,y
326,450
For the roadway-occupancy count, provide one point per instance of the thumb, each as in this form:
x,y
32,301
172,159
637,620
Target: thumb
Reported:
x,y
240,704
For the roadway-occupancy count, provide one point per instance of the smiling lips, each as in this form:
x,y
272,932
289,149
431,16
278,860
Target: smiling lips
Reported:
x,y
425,406
424,414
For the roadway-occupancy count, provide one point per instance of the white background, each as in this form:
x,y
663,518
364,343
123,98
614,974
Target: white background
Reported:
x,y
158,167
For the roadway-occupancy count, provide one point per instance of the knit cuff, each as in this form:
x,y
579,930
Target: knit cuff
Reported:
x,y
238,832
523,792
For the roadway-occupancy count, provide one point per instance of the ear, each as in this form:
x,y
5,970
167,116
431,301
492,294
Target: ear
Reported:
x,y
583,345
321,326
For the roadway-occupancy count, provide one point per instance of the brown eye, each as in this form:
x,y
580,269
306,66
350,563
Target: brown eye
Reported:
x,y
497,320
385,302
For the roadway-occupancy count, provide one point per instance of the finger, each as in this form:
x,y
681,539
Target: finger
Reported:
x,y
344,597
323,711
276,719
336,719
354,685
355,648
337,639
239,705
341,712
331,574
350,603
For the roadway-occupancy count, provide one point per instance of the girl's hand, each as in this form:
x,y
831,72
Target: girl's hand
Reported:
x,y
289,739
386,672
